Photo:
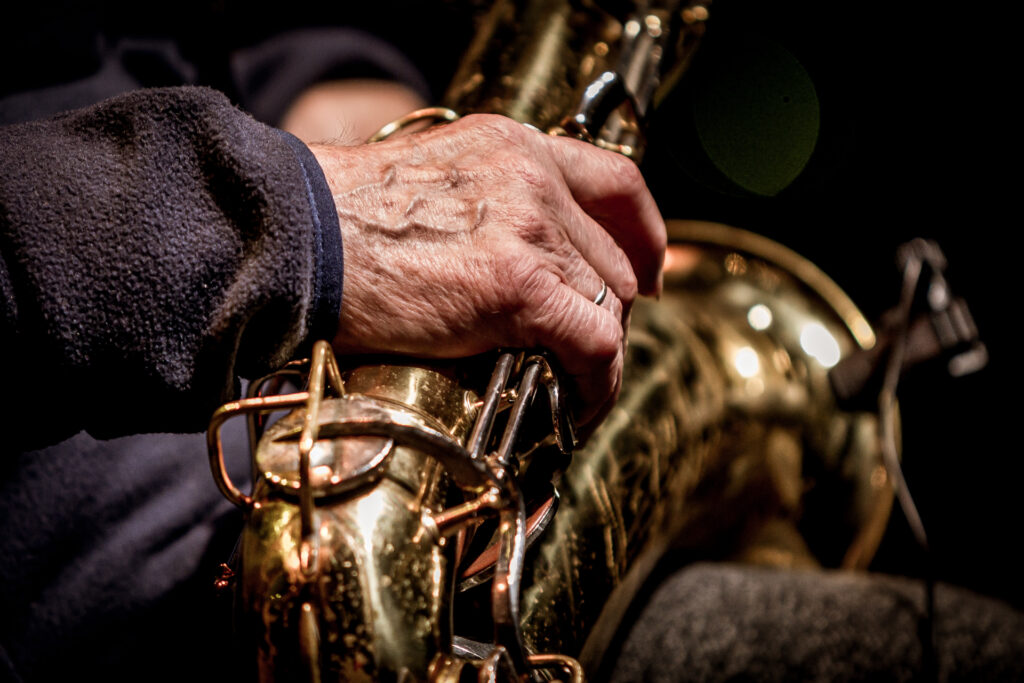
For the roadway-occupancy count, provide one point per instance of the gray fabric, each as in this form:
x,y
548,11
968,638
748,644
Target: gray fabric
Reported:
x,y
108,556
153,247
728,622
156,245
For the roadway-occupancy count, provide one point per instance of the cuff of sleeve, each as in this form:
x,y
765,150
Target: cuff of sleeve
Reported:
x,y
327,284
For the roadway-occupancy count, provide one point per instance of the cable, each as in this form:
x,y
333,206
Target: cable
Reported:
x,y
887,413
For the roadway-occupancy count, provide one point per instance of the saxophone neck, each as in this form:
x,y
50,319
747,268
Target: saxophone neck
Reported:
x,y
586,69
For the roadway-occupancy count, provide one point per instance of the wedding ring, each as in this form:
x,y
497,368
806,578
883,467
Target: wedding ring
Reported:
x,y
599,299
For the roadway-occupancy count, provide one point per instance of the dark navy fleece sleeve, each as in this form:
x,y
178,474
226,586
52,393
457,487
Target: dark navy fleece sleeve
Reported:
x,y
155,247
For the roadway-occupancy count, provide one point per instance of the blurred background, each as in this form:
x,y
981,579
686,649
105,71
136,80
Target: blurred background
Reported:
x,y
843,132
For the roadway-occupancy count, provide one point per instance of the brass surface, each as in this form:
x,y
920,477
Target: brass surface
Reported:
x,y
379,594
725,444
726,441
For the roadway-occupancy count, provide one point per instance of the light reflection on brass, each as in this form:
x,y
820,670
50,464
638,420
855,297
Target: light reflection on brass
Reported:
x,y
760,317
746,361
820,344
653,23
879,477
735,264
697,13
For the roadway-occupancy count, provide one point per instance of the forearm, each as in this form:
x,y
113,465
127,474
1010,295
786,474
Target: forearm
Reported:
x,y
155,247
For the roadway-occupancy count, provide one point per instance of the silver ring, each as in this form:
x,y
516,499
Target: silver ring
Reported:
x,y
599,299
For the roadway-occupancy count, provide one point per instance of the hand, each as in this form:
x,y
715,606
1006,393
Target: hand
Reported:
x,y
486,233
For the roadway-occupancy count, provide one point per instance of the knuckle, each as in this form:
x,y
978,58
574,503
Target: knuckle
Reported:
x,y
526,282
555,316
622,278
530,173
532,224
628,174
660,243
616,306
497,126
606,341
596,332
629,287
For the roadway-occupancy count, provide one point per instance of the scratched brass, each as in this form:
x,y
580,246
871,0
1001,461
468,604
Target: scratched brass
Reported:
x,y
379,594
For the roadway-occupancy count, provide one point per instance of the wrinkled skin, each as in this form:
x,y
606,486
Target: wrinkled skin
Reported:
x,y
486,233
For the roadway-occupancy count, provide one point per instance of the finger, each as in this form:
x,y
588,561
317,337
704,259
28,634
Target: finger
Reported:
x,y
578,272
598,248
586,280
620,311
547,215
590,414
597,392
606,185
610,188
585,338
583,277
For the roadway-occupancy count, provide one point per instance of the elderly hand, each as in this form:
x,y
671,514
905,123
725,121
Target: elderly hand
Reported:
x,y
486,233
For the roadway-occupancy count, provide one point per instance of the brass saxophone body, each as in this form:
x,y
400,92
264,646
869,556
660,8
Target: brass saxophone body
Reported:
x,y
419,520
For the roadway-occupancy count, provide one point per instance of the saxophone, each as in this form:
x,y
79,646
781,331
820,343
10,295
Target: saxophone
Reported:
x,y
420,520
